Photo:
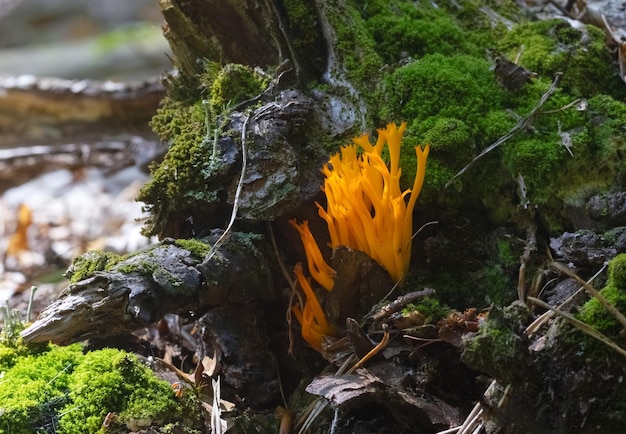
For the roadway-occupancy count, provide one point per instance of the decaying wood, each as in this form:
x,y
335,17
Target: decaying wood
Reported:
x,y
233,31
143,288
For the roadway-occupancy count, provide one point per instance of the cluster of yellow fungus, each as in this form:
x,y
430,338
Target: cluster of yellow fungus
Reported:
x,y
366,210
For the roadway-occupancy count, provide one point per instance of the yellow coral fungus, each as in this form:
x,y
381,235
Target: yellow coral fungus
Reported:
x,y
366,210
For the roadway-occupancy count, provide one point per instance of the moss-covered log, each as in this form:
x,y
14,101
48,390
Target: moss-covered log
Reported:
x,y
113,295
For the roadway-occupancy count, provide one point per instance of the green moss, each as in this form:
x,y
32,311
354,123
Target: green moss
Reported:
x,y
234,83
141,267
12,346
617,272
302,23
498,348
455,87
357,60
400,31
554,46
430,308
178,188
88,263
505,252
536,159
445,97
67,392
197,248
594,314
34,390
449,138
111,380
178,185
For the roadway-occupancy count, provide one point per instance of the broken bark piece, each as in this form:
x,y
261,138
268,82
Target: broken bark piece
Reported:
x,y
587,248
512,76
365,389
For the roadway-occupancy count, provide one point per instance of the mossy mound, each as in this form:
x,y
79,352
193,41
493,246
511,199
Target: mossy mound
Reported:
x,y
552,46
65,391
87,264
449,94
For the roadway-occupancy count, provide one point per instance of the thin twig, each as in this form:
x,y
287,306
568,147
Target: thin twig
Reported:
x,y
33,289
525,122
377,349
537,323
592,291
290,282
401,302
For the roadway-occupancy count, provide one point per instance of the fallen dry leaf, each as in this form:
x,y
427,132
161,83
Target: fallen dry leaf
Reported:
x,y
18,243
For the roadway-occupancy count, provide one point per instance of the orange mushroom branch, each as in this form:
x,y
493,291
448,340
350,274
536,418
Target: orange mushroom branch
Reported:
x,y
311,317
319,269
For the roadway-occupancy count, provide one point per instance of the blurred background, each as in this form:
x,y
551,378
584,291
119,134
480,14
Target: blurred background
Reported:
x,y
79,81
79,39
